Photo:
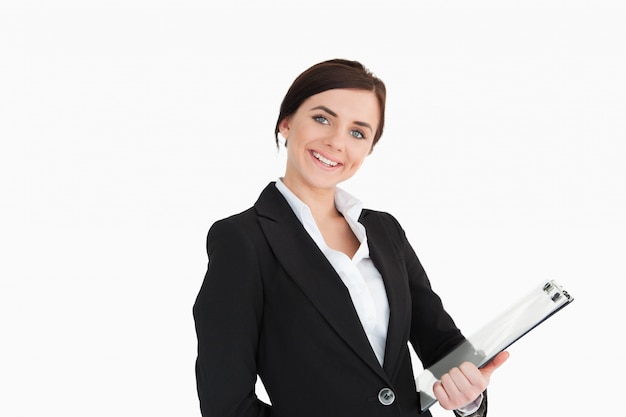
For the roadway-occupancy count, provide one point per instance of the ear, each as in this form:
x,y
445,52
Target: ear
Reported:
x,y
284,126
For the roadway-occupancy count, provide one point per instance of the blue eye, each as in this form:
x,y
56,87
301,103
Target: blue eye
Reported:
x,y
357,134
321,119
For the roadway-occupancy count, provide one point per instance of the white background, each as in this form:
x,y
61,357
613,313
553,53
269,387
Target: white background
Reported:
x,y
129,127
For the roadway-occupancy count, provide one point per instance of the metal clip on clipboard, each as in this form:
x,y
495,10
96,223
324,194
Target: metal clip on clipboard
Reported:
x,y
496,336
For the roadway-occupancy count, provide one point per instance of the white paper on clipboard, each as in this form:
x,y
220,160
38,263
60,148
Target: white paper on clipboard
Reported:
x,y
496,336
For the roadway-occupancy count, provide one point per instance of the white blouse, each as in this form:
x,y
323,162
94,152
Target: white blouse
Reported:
x,y
359,275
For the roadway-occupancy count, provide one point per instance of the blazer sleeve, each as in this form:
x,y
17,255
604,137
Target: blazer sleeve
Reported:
x,y
227,314
433,331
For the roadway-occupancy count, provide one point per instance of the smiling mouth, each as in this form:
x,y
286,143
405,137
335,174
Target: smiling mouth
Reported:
x,y
324,160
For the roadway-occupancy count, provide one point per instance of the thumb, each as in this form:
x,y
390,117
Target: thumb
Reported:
x,y
494,363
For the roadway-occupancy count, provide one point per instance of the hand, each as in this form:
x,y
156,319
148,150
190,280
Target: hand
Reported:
x,y
462,385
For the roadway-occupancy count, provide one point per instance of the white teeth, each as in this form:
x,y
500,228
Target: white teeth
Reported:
x,y
324,160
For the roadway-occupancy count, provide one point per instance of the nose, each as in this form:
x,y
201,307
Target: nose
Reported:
x,y
335,141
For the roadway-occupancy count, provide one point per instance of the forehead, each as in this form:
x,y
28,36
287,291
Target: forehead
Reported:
x,y
361,105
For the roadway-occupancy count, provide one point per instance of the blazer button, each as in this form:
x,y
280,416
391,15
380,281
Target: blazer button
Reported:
x,y
386,396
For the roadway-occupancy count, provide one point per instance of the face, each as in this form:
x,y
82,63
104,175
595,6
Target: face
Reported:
x,y
328,137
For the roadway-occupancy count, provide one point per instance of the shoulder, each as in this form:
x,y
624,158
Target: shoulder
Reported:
x,y
247,220
381,222
236,220
380,218
234,228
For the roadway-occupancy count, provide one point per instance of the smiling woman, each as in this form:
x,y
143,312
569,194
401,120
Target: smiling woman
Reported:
x,y
316,295
329,137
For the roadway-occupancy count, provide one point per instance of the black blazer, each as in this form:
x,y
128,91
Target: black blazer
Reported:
x,y
271,304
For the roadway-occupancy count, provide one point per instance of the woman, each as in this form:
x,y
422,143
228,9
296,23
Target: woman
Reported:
x,y
312,293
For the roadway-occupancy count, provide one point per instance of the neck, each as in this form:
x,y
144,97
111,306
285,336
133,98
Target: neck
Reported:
x,y
321,201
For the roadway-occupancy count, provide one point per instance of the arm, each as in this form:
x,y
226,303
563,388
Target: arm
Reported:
x,y
227,314
433,334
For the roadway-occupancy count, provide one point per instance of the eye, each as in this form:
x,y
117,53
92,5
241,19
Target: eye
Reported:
x,y
321,119
357,134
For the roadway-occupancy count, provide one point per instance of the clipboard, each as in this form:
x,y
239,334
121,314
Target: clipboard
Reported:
x,y
530,311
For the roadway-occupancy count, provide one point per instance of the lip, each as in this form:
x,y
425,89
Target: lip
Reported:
x,y
316,155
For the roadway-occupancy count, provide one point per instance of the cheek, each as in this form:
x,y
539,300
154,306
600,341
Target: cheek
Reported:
x,y
358,159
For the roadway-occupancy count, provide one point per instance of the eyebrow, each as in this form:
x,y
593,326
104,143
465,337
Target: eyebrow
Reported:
x,y
332,113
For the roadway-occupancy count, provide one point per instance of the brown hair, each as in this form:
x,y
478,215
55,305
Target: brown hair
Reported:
x,y
328,75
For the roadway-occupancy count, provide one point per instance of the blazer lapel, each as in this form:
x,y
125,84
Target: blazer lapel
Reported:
x,y
308,267
388,261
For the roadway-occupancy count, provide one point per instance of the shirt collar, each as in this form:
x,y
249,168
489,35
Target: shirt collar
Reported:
x,y
348,205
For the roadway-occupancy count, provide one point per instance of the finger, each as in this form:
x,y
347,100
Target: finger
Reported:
x,y
470,382
459,380
455,390
447,387
442,395
495,363
474,376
